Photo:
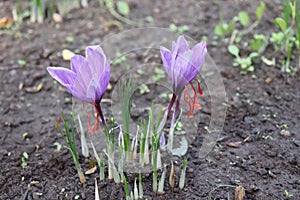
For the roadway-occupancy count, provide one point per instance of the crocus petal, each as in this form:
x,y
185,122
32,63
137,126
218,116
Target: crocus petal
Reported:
x,y
76,63
79,95
166,56
198,56
92,88
182,45
103,83
64,76
83,79
96,59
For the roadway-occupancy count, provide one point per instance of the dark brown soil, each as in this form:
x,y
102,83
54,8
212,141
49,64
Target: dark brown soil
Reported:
x,y
263,116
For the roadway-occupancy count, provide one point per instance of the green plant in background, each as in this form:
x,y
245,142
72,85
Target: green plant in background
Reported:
x,y
224,29
284,41
259,43
120,10
287,39
244,62
179,29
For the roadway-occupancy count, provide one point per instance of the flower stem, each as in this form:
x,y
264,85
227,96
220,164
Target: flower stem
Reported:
x,y
171,133
167,112
99,111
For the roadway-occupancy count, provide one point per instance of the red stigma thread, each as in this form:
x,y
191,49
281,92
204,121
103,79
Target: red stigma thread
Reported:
x,y
96,125
192,102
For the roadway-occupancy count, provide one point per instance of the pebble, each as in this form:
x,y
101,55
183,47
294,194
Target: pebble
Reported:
x,y
268,80
57,18
248,119
190,170
285,133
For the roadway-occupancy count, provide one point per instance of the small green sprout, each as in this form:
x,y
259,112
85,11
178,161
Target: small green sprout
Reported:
x,y
287,194
223,29
267,137
21,62
25,157
58,146
159,74
141,192
244,62
123,8
162,181
179,29
25,135
259,43
144,89
149,19
182,176
120,59
70,39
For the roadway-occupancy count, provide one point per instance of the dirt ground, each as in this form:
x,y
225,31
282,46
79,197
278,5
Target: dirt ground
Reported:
x,y
263,110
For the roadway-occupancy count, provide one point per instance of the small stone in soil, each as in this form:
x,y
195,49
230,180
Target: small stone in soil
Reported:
x,y
268,80
285,133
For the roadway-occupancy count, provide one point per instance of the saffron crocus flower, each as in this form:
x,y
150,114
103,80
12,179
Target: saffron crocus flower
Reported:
x,y
182,65
87,80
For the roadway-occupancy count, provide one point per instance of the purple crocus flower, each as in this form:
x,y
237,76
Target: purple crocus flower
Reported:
x,y
87,80
182,65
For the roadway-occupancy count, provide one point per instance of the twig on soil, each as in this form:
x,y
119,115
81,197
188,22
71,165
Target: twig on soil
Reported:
x,y
5,68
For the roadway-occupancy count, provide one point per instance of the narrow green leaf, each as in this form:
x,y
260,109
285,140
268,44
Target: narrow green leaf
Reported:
x,y
260,10
286,11
123,8
233,50
281,23
126,187
298,21
243,18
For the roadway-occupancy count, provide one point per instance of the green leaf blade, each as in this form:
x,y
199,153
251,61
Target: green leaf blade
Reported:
x,y
123,8
244,18
233,50
260,10
281,24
